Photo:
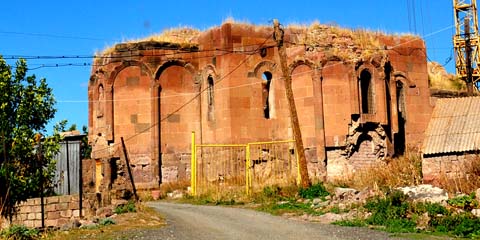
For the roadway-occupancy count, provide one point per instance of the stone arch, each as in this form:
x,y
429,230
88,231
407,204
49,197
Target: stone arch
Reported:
x,y
209,70
100,76
302,61
125,64
175,62
403,77
365,67
264,71
264,66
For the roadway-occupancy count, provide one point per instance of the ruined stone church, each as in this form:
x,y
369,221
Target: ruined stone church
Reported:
x,y
361,96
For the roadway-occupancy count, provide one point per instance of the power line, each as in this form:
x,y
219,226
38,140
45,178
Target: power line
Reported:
x,y
132,54
85,64
196,95
52,36
229,73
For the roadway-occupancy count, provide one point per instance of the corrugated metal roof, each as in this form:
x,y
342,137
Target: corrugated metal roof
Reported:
x,y
454,126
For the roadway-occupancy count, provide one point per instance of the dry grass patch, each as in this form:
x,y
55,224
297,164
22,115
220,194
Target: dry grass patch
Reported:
x,y
466,181
395,172
439,78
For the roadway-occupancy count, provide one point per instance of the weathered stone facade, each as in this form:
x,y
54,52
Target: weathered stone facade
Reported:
x,y
360,97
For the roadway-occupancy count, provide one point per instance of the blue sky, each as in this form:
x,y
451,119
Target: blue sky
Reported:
x,y
66,28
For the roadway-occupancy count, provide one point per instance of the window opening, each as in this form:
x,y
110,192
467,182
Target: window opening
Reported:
x,y
210,96
366,92
267,78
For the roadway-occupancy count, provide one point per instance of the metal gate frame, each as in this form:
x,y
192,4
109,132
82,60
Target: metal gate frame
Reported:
x,y
248,162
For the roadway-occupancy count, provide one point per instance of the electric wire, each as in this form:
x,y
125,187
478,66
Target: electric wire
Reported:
x,y
222,78
190,100
52,36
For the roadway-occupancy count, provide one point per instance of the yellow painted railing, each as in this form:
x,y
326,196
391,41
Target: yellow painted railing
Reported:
x,y
226,168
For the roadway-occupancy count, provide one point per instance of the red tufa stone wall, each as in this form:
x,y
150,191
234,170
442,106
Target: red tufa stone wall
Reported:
x,y
59,211
137,92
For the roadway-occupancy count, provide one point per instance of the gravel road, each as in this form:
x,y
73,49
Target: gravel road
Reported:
x,y
186,221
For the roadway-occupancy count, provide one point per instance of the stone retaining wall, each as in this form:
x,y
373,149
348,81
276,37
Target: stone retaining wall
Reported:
x,y
59,211
447,165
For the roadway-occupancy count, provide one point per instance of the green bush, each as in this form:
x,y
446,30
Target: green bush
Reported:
x,y
433,209
462,225
129,207
397,214
106,222
466,202
392,211
315,191
20,232
271,191
392,207
351,223
290,207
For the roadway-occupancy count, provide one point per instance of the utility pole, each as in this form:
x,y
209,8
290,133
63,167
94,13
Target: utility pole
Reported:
x,y
468,56
302,162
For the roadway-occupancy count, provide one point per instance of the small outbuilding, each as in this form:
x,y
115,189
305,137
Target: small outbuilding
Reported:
x,y
452,139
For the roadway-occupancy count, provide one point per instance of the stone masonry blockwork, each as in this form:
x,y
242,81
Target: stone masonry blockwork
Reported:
x,y
360,96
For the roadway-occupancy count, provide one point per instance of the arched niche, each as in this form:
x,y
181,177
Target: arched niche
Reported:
x,y
177,113
265,73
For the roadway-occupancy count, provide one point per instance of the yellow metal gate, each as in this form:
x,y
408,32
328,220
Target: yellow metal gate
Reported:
x,y
242,168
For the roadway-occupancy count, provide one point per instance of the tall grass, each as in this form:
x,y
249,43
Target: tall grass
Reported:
x,y
465,180
395,172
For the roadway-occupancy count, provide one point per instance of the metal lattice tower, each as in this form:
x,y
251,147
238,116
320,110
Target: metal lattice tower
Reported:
x,y
466,42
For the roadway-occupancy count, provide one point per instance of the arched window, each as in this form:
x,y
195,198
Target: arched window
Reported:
x,y
210,90
267,78
100,101
366,92
210,96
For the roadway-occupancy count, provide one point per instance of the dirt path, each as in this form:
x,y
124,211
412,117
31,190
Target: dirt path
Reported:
x,y
211,222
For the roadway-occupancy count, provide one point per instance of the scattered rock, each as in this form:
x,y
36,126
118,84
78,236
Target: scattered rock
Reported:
x,y
476,212
477,194
316,201
89,226
425,193
71,225
328,218
104,212
345,193
177,194
119,202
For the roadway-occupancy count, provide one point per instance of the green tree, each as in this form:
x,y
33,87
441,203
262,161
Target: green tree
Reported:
x,y
26,156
